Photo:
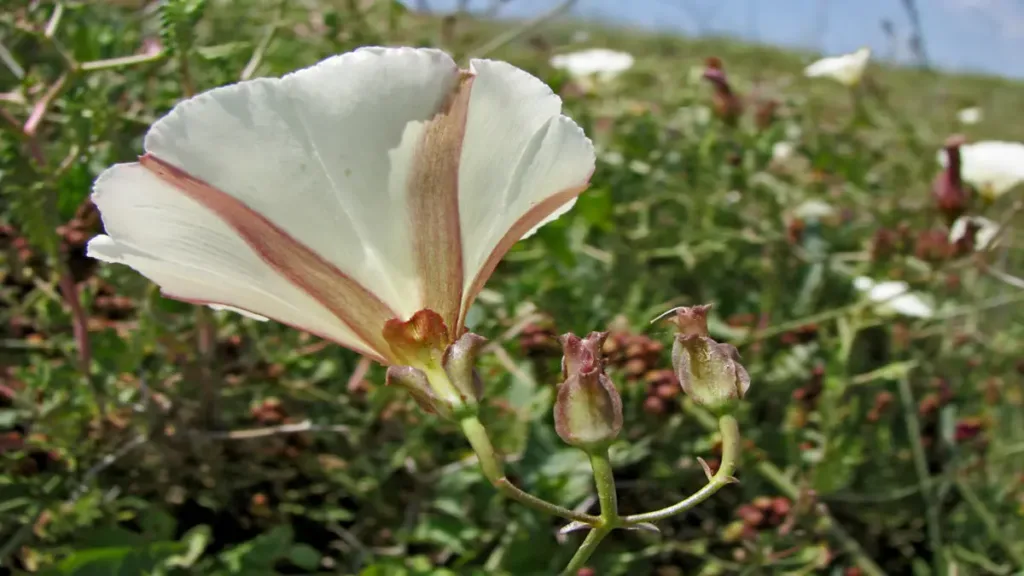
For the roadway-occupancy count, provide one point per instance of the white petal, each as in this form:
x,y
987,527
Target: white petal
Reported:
x,y
993,167
846,69
894,297
245,313
606,64
986,230
863,283
313,153
911,305
969,116
193,255
519,151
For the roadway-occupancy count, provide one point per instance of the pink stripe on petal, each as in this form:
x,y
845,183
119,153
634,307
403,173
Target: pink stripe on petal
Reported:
x,y
433,196
352,304
364,351
526,222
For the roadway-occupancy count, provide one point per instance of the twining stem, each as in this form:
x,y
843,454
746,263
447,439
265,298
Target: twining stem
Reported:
x,y
493,470
730,452
586,550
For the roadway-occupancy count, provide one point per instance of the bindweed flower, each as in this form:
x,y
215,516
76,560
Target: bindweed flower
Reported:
x,y
588,409
969,116
710,373
948,189
847,69
981,231
991,167
365,199
601,64
894,297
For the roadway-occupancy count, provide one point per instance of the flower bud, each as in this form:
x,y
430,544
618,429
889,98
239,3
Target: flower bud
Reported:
x,y
950,192
709,372
460,364
588,409
414,381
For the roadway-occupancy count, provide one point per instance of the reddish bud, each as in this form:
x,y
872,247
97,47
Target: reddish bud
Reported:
x,y
588,409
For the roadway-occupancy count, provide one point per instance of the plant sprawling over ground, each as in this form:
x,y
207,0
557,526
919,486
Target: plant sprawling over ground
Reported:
x,y
873,294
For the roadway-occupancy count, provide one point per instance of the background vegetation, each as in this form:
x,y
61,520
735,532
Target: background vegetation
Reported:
x,y
142,436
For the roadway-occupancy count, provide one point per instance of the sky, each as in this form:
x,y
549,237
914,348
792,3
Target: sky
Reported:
x,y
967,35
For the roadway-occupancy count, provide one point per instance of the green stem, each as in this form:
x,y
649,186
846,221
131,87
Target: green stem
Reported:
x,y
586,550
493,470
924,479
604,479
777,478
730,453
995,533
481,443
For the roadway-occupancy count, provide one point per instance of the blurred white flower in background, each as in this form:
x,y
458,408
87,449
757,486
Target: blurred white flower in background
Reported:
x,y
970,115
846,69
782,151
814,210
894,297
984,234
992,167
601,63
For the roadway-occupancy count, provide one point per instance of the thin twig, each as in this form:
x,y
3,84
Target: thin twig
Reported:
x,y
511,35
264,43
249,434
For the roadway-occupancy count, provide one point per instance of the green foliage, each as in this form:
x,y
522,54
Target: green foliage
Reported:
x,y
178,20
867,435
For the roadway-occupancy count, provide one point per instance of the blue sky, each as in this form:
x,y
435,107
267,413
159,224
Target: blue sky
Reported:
x,y
976,35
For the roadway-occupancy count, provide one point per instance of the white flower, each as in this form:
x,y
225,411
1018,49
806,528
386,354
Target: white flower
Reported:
x,y
600,62
970,115
992,167
814,210
894,297
984,234
348,196
782,151
846,69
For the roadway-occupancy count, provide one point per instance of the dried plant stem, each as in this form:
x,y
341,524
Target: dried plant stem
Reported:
x,y
509,36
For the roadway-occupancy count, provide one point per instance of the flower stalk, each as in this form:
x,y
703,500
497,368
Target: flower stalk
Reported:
x,y
730,431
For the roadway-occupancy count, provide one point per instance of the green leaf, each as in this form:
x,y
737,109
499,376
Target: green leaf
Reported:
x,y
304,556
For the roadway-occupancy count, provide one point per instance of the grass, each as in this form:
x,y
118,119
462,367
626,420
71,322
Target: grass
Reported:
x,y
140,436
